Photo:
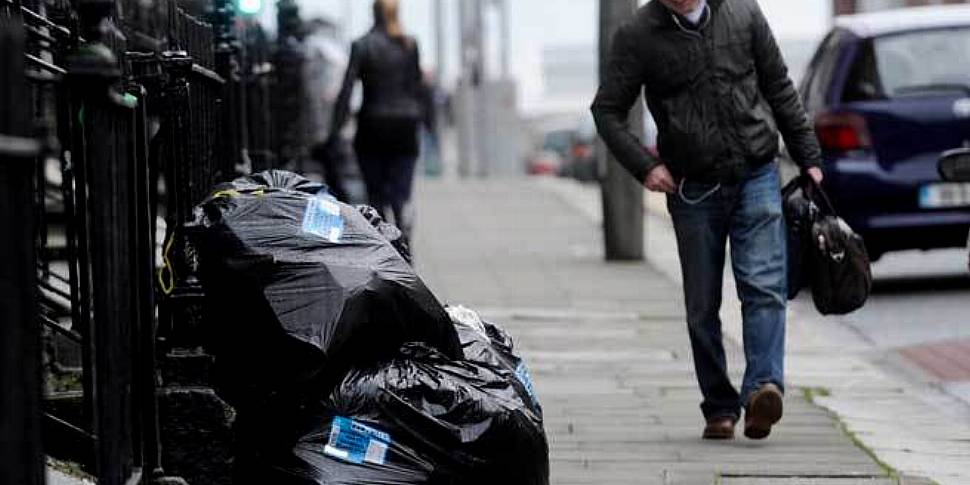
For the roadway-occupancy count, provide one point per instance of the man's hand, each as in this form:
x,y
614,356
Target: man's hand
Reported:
x,y
816,174
659,180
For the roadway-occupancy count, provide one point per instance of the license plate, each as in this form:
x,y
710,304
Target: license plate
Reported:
x,y
942,196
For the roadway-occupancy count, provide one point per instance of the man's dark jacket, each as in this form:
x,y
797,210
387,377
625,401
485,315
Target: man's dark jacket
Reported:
x,y
719,92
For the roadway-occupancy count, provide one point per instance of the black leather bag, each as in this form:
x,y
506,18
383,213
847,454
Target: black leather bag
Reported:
x,y
838,264
800,214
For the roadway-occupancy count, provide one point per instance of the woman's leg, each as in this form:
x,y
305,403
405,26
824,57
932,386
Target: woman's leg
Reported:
x,y
400,181
372,170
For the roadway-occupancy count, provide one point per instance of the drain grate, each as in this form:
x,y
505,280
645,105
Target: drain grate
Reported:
x,y
806,480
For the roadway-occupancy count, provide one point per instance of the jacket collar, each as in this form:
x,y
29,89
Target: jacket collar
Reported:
x,y
658,16
689,27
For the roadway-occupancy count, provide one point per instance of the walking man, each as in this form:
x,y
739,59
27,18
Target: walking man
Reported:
x,y
718,88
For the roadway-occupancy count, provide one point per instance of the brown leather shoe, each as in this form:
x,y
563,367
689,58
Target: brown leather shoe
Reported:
x,y
764,411
720,428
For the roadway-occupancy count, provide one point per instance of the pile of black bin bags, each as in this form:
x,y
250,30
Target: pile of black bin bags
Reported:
x,y
342,366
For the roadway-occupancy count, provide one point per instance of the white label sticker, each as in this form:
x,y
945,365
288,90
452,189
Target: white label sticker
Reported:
x,y
322,218
376,452
356,442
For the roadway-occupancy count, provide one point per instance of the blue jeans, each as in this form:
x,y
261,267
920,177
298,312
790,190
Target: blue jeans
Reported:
x,y
750,214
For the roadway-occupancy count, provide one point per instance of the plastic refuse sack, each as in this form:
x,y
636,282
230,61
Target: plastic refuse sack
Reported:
x,y
300,288
420,418
388,230
487,343
328,449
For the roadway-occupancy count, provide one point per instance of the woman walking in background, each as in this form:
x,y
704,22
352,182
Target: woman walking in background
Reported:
x,y
387,63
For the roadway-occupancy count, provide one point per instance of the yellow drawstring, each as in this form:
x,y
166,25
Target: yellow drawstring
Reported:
x,y
225,193
166,274
167,289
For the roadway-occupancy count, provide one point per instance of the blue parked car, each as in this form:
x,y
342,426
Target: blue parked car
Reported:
x,y
889,93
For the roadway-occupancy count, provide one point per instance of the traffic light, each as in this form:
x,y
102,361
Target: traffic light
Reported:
x,y
249,7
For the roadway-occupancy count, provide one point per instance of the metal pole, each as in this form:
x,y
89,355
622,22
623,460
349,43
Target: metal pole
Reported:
x,y
843,7
478,100
506,39
439,40
21,452
349,19
481,49
468,82
622,195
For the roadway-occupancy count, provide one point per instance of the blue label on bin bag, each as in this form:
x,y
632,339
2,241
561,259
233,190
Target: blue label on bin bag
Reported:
x,y
522,373
322,218
357,443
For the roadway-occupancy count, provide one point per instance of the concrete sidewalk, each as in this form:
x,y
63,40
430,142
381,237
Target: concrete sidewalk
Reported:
x,y
910,424
607,347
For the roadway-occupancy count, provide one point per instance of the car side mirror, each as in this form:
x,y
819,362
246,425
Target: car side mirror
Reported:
x,y
954,165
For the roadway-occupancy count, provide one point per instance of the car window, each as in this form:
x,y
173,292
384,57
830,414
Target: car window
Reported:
x,y
557,141
820,72
924,61
812,69
863,83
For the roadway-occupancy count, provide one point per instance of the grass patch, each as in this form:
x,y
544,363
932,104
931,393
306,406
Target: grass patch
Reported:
x,y
64,382
70,468
813,393
889,470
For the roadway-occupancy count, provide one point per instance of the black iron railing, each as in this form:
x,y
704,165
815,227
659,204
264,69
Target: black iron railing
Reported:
x,y
114,115
20,438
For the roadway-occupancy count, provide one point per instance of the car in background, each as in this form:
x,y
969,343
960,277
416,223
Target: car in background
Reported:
x,y
581,163
544,162
550,149
889,92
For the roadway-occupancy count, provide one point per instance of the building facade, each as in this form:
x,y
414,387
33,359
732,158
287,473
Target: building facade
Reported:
x,y
843,7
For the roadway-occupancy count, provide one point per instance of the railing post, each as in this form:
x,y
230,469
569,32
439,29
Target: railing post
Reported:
x,y
21,454
142,270
233,117
105,162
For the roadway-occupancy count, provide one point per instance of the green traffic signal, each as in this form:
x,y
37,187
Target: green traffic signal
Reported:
x,y
249,7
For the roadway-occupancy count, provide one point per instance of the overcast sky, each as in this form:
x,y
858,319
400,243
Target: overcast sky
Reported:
x,y
536,24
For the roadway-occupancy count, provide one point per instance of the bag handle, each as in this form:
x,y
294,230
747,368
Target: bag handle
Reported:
x,y
792,187
815,192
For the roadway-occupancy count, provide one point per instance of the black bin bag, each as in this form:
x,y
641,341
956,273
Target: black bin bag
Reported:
x,y
299,288
489,344
468,418
328,449
420,418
